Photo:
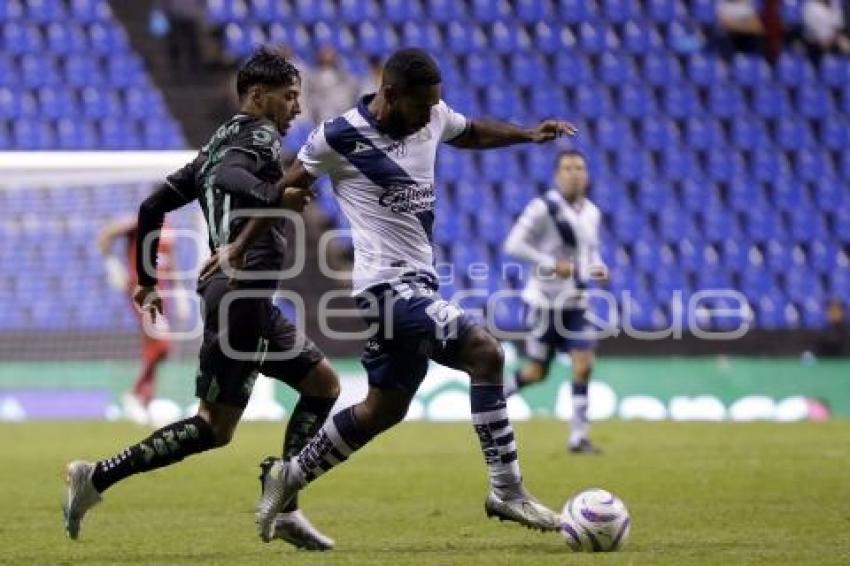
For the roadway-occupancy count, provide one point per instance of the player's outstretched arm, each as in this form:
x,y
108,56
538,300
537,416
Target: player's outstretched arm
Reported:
x,y
487,134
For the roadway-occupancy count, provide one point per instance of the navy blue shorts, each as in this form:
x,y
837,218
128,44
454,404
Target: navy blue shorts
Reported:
x,y
411,324
556,330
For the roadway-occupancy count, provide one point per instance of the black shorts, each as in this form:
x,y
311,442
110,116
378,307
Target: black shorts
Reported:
x,y
244,333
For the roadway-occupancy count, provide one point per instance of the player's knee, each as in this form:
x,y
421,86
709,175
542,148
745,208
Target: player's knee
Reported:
x,y
321,381
485,356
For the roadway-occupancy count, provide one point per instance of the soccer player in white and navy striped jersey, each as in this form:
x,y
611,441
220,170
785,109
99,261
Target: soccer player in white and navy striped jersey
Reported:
x,y
558,235
380,158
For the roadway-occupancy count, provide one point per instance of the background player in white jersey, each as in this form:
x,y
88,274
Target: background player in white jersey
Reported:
x,y
558,235
380,157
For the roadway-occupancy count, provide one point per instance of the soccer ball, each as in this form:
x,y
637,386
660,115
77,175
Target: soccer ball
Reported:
x,y
595,520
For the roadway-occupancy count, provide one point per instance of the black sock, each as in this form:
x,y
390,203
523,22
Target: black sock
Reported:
x,y
166,446
307,418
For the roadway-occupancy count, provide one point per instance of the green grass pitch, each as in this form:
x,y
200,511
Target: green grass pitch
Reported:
x,y
698,494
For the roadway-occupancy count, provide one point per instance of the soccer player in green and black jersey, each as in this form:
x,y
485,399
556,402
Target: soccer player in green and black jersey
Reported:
x,y
244,333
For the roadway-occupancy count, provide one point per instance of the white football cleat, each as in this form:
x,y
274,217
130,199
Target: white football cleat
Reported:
x,y
81,495
134,411
277,493
297,530
516,504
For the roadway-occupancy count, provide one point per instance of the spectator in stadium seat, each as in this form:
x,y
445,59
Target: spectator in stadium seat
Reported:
x,y
835,338
824,27
740,25
329,89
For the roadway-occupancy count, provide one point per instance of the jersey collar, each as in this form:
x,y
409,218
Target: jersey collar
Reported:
x,y
363,109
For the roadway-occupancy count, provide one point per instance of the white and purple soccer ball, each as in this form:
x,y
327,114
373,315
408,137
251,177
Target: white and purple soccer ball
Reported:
x,y
595,520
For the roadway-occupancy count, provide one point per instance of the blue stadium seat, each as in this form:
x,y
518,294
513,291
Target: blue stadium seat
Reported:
x,y
616,69
704,11
726,102
723,166
592,38
20,38
662,69
636,38
45,11
841,224
56,103
793,134
359,11
528,70
807,224
66,37
492,228
107,39
829,194
748,133
577,11
633,164
548,39
427,37
823,256
269,11
484,70
506,39
762,225
591,103
794,69
811,166
571,69
375,39
622,11
612,134
445,11
750,70
814,102
38,70
659,134
662,11
312,11
704,134
33,134
835,132
487,12
681,102
703,69
770,103
835,71
786,195
839,281
677,165
532,11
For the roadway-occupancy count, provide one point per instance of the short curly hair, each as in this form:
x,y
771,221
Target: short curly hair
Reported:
x,y
267,66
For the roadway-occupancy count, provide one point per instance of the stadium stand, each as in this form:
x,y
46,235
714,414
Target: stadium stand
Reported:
x,y
69,80
710,172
